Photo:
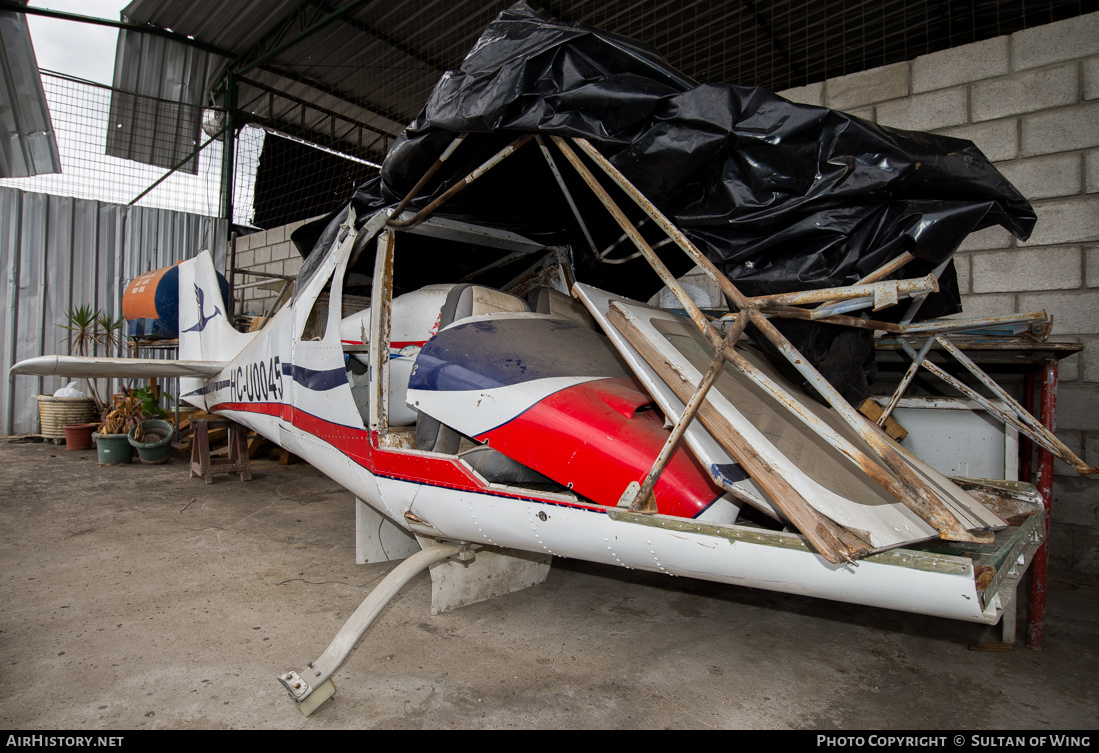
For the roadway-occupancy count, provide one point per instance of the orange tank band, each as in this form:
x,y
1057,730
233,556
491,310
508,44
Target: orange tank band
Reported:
x,y
139,298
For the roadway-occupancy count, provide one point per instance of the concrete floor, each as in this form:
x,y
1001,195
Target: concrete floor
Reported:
x,y
136,598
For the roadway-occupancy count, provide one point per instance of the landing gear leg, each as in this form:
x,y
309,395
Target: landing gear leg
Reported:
x,y
314,686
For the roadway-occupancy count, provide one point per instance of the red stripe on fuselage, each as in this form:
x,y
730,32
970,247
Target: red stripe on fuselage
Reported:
x,y
361,446
393,344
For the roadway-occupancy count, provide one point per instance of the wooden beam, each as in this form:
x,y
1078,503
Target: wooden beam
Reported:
x,y
834,542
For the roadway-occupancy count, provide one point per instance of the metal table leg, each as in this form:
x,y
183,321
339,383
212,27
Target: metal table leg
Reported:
x,y
1026,447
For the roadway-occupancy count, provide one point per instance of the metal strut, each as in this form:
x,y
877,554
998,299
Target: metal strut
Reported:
x,y
490,163
314,686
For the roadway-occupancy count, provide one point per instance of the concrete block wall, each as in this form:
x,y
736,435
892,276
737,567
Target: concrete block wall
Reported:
x,y
264,251
1030,102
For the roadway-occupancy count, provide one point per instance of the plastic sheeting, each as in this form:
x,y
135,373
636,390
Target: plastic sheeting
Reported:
x,y
781,196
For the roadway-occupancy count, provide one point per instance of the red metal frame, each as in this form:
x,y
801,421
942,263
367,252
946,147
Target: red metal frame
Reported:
x,y
1039,568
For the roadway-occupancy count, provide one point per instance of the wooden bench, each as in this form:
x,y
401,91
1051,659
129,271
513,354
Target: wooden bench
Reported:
x,y
202,464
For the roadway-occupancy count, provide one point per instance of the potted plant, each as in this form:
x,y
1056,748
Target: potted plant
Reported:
x,y
87,328
113,442
149,401
152,437
155,445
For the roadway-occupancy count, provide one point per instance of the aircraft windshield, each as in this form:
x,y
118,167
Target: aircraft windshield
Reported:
x,y
325,245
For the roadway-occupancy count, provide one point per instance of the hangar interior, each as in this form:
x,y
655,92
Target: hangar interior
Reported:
x,y
287,107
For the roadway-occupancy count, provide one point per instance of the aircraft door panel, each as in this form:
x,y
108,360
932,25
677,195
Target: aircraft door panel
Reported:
x,y
317,376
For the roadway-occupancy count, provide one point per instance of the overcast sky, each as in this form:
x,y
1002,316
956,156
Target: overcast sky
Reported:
x,y
87,51
78,49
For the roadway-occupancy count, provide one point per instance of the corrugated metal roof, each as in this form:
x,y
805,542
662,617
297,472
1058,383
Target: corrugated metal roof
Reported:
x,y
233,26
28,145
377,62
162,126
352,85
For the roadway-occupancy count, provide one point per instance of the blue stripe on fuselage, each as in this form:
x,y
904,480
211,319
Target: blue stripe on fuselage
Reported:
x,y
318,381
207,389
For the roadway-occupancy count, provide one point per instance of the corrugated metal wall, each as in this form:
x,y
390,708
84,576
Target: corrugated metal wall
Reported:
x,y
57,252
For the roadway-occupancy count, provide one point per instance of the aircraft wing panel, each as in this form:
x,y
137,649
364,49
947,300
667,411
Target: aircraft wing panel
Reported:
x,y
95,367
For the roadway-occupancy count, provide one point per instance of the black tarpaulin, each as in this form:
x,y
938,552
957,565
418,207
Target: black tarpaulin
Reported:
x,y
780,196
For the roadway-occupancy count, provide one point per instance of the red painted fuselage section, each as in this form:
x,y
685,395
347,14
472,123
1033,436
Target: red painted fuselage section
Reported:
x,y
597,437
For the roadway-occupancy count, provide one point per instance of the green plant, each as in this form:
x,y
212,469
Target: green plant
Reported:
x,y
88,328
150,402
83,324
112,331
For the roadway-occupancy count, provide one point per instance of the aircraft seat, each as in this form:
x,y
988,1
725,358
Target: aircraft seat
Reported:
x,y
463,301
550,301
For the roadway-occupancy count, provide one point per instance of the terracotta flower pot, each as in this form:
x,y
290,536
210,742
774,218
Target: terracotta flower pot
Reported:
x,y
79,436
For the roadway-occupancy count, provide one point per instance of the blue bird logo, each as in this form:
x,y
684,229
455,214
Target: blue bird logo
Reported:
x,y
202,318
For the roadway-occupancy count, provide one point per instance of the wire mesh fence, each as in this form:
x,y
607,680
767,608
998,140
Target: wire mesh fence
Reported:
x,y
375,66
779,44
281,179
81,113
353,84
97,164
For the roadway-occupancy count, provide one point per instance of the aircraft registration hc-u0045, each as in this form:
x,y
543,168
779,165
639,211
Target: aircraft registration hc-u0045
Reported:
x,y
259,381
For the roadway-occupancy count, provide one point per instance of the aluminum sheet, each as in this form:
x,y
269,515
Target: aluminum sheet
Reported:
x,y
28,145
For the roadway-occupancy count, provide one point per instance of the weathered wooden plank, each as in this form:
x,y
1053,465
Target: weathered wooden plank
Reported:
x,y
834,542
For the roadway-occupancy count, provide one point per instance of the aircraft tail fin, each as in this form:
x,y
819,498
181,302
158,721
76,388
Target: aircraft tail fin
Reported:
x,y
207,341
205,332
